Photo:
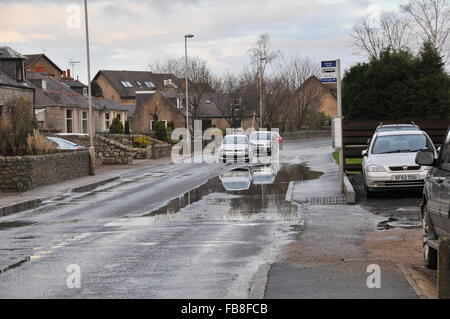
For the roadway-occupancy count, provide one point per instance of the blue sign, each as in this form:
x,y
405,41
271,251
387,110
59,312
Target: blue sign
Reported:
x,y
329,80
329,64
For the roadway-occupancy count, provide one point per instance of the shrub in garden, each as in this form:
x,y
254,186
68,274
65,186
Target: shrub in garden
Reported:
x,y
38,145
116,126
15,129
160,131
141,141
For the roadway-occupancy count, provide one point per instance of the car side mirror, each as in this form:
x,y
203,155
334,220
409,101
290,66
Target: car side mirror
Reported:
x,y
425,158
364,153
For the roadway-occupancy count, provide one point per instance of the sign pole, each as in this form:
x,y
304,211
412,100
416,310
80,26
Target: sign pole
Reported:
x,y
331,73
341,150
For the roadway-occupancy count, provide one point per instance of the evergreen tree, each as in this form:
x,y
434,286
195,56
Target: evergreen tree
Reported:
x,y
116,126
398,86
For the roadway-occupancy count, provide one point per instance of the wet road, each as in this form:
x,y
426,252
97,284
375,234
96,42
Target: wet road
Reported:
x,y
173,231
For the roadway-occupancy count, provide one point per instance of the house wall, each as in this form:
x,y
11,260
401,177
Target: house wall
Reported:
x,y
223,124
329,105
48,67
149,104
9,97
55,119
110,94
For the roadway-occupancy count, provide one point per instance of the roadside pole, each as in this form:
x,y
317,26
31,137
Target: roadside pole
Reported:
x,y
331,73
91,115
341,135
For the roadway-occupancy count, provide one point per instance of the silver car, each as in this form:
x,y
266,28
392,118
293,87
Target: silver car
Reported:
x,y
235,148
66,145
389,163
262,142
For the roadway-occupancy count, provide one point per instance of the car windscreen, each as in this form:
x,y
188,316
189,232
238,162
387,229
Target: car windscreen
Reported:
x,y
261,136
400,144
229,140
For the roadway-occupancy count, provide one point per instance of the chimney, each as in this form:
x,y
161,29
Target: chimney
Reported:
x,y
68,73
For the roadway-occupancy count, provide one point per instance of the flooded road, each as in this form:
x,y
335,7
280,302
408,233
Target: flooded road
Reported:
x,y
197,231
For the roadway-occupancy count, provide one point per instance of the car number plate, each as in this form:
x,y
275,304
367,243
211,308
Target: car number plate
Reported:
x,y
400,178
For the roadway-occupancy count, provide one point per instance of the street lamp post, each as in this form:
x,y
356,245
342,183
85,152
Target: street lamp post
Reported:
x,y
186,70
91,115
260,92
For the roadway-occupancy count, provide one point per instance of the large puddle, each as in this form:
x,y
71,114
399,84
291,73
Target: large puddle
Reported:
x,y
246,191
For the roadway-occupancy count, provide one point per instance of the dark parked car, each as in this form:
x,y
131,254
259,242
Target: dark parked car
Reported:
x,y
436,200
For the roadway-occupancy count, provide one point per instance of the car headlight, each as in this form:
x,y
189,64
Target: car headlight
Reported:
x,y
375,169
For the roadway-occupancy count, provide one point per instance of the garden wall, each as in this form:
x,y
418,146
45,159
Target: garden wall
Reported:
x,y
23,173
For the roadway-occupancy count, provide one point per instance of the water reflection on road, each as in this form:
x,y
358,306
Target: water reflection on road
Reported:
x,y
246,192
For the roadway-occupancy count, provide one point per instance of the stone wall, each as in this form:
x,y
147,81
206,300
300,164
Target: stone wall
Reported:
x,y
23,173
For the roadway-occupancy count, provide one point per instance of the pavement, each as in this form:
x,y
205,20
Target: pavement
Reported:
x,y
326,189
12,203
175,231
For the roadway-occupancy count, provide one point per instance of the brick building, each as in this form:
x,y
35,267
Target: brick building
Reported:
x,y
42,64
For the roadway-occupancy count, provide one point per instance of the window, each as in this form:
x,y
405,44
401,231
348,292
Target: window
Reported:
x,y
69,121
150,84
85,91
19,71
107,121
138,83
118,116
400,144
126,84
85,122
444,161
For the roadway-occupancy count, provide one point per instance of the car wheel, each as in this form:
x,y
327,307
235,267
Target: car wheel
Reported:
x,y
430,254
370,193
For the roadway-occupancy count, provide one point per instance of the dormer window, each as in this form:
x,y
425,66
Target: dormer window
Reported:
x,y
20,75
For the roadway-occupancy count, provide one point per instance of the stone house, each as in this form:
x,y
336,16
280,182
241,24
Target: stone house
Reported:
x,y
60,109
13,83
168,106
327,94
121,86
42,64
218,110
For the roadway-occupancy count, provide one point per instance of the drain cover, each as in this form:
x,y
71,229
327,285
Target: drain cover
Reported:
x,y
328,200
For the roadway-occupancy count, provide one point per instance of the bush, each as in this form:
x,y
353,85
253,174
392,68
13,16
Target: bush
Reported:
x,y
127,127
141,141
15,129
160,131
38,145
116,126
317,120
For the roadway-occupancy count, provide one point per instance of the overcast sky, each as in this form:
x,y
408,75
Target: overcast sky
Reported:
x,y
130,34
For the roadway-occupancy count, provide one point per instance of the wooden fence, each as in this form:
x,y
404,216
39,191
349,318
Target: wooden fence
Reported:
x,y
357,134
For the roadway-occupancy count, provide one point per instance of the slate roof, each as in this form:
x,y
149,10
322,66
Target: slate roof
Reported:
x,y
212,110
8,53
59,93
115,78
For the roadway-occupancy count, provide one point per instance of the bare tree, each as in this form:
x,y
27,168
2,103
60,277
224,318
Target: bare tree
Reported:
x,y
431,21
371,36
200,77
304,101
229,99
297,70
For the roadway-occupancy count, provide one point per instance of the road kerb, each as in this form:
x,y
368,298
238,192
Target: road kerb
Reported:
x,y
258,289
